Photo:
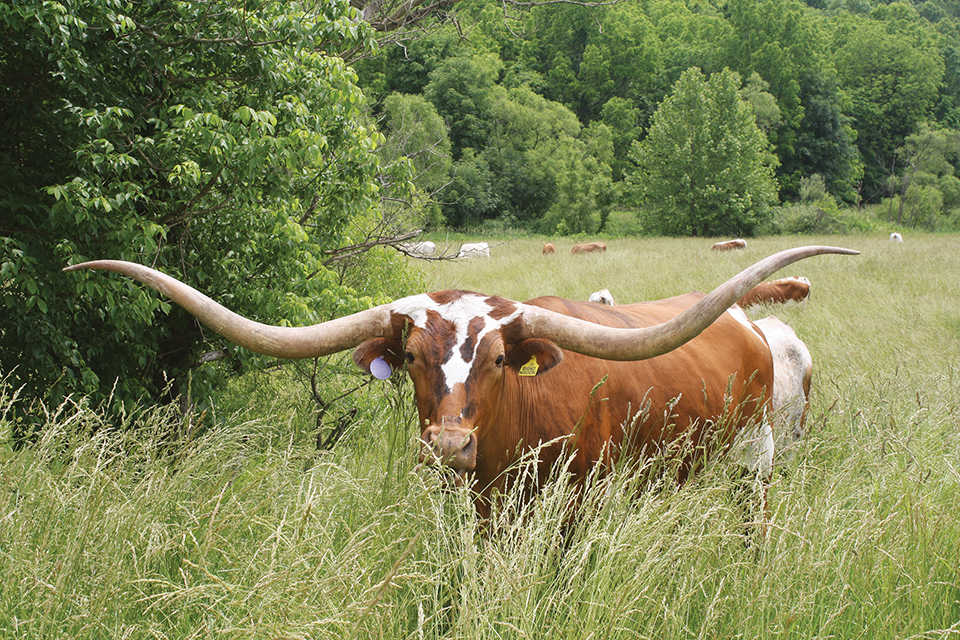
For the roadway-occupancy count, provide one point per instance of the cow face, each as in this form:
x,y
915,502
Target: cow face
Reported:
x,y
457,350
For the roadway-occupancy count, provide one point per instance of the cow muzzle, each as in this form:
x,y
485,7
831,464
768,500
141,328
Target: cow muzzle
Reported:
x,y
453,447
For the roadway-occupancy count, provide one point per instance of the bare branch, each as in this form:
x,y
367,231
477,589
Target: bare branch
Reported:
x,y
387,17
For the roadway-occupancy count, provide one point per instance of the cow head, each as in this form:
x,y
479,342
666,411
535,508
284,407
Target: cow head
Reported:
x,y
457,347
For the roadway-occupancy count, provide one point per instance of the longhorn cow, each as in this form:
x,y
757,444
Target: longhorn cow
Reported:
x,y
730,245
474,250
493,378
588,247
792,289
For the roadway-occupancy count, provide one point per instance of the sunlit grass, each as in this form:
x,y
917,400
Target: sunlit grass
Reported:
x,y
244,530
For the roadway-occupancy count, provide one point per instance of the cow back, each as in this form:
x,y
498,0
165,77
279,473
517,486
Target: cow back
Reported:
x,y
724,373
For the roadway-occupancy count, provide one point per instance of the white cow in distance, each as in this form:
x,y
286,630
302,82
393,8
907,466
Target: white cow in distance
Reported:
x,y
422,249
896,237
474,250
603,297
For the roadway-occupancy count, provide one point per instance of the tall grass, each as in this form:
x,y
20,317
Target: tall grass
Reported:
x,y
244,530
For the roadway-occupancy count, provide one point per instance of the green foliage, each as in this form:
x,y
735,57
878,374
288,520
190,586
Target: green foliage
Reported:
x,y
826,140
772,39
535,161
415,132
891,69
705,168
823,215
461,90
835,85
926,181
471,196
221,145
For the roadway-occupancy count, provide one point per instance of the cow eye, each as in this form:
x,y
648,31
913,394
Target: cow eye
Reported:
x,y
499,360
409,357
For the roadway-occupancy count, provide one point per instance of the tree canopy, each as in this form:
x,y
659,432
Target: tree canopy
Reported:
x,y
226,147
705,168
836,87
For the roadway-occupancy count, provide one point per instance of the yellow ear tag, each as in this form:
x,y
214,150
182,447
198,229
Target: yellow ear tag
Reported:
x,y
531,368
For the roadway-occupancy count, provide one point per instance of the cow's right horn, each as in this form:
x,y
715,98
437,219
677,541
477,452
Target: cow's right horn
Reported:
x,y
600,341
280,342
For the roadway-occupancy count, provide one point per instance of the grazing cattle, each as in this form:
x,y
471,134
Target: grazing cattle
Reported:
x,y
423,249
603,297
493,378
793,289
548,248
730,245
896,238
474,250
588,247
792,373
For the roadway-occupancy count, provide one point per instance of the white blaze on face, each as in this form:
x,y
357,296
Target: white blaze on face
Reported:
x,y
459,312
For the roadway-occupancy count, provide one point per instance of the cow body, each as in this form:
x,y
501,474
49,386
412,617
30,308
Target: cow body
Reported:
x,y
730,245
588,247
793,289
792,375
423,249
474,250
548,248
496,413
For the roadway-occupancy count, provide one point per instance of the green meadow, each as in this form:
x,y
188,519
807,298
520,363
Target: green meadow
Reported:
x,y
244,530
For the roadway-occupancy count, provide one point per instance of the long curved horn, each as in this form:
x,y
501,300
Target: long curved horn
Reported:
x,y
608,343
280,342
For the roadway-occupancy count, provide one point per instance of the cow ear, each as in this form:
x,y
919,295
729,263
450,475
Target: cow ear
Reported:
x,y
379,357
534,356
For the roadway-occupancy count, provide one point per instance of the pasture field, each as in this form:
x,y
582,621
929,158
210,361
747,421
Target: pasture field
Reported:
x,y
245,531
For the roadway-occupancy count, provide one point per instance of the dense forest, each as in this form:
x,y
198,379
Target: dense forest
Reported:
x,y
551,118
267,155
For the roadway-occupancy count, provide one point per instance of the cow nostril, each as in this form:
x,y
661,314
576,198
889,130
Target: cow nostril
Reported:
x,y
450,446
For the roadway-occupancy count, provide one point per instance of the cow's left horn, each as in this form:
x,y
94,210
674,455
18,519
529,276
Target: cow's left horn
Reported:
x,y
280,342
608,343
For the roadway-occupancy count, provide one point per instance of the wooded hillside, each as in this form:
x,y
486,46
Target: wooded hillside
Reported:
x,y
543,107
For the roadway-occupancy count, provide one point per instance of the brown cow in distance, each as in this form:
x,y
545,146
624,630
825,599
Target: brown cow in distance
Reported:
x,y
793,289
548,248
588,247
494,378
730,245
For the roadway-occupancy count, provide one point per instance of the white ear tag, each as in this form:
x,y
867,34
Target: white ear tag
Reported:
x,y
380,369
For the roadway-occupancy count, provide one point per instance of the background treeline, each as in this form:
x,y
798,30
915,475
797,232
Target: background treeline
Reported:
x,y
544,120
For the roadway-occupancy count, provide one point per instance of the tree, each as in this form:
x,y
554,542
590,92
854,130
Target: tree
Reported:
x,y
826,141
415,131
394,15
461,90
584,193
891,68
622,120
705,168
772,38
928,163
221,145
